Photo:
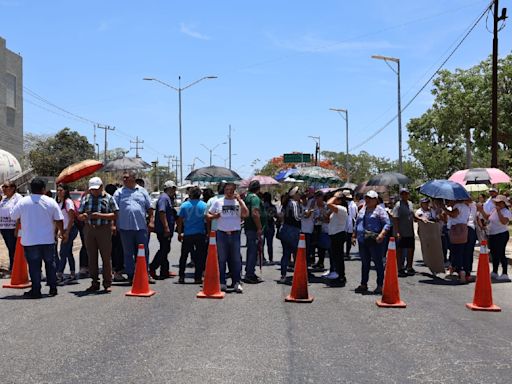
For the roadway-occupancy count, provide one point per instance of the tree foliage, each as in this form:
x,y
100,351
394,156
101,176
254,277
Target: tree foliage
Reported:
x,y
461,112
50,155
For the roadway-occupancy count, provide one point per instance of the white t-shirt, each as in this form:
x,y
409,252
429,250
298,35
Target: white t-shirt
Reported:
x,y
352,215
338,220
68,206
230,214
495,225
472,215
37,214
307,223
6,222
462,217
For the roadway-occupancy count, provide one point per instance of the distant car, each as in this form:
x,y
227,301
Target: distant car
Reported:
x,y
154,198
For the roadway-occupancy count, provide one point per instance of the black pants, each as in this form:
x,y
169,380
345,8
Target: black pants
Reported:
x,y
497,245
196,246
160,259
337,253
348,243
84,258
10,243
117,253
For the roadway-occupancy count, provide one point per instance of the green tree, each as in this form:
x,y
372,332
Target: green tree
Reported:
x,y
459,121
50,155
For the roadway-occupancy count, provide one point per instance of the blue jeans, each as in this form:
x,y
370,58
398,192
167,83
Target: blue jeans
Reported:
x,y
131,240
35,254
457,256
252,253
268,237
10,243
369,252
66,251
497,245
468,250
289,240
228,249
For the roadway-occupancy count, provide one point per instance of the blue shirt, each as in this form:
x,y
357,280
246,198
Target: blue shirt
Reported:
x,y
373,221
133,205
165,204
192,212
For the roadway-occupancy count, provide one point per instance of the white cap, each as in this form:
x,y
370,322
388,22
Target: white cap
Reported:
x,y
372,194
95,183
169,184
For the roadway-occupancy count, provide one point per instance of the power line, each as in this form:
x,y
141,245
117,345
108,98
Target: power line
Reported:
x,y
427,82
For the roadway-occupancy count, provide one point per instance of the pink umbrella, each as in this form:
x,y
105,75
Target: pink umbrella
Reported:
x,y
264,181
480,176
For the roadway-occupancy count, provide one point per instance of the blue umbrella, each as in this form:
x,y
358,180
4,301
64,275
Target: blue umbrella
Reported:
x,y
285,173
444,189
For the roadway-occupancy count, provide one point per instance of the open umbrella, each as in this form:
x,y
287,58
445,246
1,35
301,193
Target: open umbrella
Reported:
x,y
264,181
292,180
480,176
213,173
284,174
316,174
126,163
388,178
476,187
444,189
78,170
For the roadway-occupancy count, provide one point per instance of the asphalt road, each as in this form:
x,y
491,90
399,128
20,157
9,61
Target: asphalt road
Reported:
x,y
256,337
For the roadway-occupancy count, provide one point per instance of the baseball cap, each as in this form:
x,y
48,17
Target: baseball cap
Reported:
x,y
425,200
293,191
95,183
169,184
404,190
347,194
372,194
493,190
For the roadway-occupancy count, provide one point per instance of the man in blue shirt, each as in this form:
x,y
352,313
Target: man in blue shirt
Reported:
x,y
134,203
165,218
192,234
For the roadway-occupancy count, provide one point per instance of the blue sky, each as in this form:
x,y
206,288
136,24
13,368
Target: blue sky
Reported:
x,y
280,65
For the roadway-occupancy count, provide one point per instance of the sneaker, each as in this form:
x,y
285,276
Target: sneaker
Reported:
x,y
108,289
470,279
462,277
332,276
72,276
151,280
326,273
377,291
181,280
223,287
238,288
317,266
93,288
361,289
32,295
252,279
282,280
495,276
402,273
119,278
504,277
198,281
191,265
53,292
152,273
411,272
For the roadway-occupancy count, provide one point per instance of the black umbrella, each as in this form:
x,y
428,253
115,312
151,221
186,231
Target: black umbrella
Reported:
x,y
126,163
388,178
213,174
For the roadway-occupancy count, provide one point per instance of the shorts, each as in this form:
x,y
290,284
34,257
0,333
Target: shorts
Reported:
x,y
406,243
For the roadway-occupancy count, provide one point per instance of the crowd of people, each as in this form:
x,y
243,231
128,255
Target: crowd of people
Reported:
x,y
113,220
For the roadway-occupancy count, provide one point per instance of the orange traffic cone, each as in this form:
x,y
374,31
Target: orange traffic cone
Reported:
x,y
299,293
140,285
482,301
391,291
19,275
211,284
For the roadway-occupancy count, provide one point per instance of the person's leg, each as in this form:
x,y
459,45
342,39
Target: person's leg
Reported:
x,y
252,253
493,250
91,244
66,252
285,260
200,256
104,237
502,244
141,237
377,255
10,243
234,260
469,250
34,257
457,254
223,251
48,255
365,255
348,245
186,247
309,254
129,250
117,253
84,256
270,244
165,248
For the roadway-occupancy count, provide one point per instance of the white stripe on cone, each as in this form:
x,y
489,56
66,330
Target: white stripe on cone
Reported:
x,y
302,244
19,233
483,250
392,245
212,240
140,252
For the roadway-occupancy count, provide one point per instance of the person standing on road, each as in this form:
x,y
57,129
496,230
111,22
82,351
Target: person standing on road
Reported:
x,y
372,225
253,226
99,211
497,228
192,234
403,219
269,228
7,224
351,220
134,205
290,230
39,214
307,226
164,221
229,210
66,248
337,232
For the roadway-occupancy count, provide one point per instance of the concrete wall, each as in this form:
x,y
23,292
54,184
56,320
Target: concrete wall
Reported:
x,y
11,109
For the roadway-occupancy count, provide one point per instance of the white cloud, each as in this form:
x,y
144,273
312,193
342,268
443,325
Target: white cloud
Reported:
x,y
190,30
312,44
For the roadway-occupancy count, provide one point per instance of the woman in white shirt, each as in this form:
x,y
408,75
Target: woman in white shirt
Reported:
x,y
497,231
459,214
470,245
8,225
67,207
337,233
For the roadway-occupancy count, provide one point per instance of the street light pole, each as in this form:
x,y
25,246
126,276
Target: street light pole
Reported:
x,y
317,148
179,90
397,61
212,149
340,110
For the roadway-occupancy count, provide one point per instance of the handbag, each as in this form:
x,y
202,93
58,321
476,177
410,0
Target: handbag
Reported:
x,y
458,234
370,236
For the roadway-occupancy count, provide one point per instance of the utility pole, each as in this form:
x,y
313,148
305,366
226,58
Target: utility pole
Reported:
x,y
137,142
494,119
175,163
229,137
169,158
106,128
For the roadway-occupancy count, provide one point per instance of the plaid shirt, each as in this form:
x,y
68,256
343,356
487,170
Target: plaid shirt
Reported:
x,y
102,204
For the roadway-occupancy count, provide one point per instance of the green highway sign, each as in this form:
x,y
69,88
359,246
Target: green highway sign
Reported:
x,y
297,158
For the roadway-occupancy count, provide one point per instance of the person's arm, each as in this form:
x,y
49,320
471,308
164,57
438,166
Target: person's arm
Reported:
x,y
453,213
63,235
244,211
331,204
257,218
503,219
385,228
179,228
165,223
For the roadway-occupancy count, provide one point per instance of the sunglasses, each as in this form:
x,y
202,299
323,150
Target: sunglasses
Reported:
x,y
6,186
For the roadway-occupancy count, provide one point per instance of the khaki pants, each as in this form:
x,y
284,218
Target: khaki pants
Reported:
x,y
99,237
